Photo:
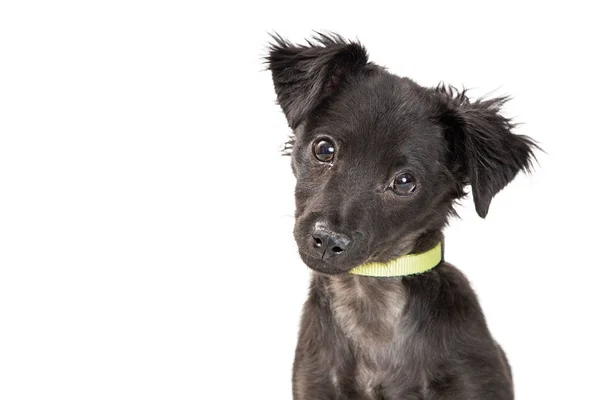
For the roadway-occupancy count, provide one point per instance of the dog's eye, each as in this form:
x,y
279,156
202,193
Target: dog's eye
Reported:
x,y
404,184
323,150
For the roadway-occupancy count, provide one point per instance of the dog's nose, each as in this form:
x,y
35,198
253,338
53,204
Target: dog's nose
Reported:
x,y
329,243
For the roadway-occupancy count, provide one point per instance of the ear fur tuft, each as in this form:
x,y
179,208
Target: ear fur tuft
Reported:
x,y
304,75
489,154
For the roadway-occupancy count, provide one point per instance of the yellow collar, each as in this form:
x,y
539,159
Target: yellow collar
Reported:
x,y
409,264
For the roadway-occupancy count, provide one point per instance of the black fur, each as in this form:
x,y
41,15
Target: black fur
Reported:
x,y
418,337
308,74
489,153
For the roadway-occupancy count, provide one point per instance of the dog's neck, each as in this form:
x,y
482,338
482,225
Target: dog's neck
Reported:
x,y
368,308
408,264
427,240
419,254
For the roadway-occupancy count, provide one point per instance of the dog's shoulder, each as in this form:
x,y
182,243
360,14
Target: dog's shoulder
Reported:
x,y
444,297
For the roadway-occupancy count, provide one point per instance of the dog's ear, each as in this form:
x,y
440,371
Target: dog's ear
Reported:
x,y
305,75
485,152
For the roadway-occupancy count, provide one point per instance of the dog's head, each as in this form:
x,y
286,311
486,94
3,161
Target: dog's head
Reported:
x,y
380,160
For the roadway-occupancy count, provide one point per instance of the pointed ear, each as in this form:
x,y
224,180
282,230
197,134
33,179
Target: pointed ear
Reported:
x,y
305,75
488,154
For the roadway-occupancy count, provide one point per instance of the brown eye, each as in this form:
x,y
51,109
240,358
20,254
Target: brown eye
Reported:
x,y
323,150
404,184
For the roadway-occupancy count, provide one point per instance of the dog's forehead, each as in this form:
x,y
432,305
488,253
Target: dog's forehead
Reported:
x,y
384,113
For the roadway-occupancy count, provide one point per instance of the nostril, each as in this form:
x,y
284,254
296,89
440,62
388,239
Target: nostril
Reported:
x,y
327,243
337,250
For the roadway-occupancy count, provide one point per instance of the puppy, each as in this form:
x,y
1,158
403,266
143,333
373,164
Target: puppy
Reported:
x,y
380,161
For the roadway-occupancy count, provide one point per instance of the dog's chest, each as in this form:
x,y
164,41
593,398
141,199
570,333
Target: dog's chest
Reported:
x,y
368,309
369,312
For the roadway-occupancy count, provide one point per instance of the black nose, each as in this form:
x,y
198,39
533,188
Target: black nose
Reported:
x,y
329,243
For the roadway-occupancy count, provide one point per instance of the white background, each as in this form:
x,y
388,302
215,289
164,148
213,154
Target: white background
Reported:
x,y
146,246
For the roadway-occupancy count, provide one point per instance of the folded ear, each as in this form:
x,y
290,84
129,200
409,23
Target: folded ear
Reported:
x,y
488,153
304,75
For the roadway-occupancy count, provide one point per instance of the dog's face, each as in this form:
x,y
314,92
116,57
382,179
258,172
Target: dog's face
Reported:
x,y
379,160
370,175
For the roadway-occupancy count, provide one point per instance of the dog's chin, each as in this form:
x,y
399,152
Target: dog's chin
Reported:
x,y
324,267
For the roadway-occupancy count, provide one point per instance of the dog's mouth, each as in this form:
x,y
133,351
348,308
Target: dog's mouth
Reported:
x,y
322,266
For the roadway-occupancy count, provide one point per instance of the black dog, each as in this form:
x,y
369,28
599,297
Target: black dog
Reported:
x,y
379,162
